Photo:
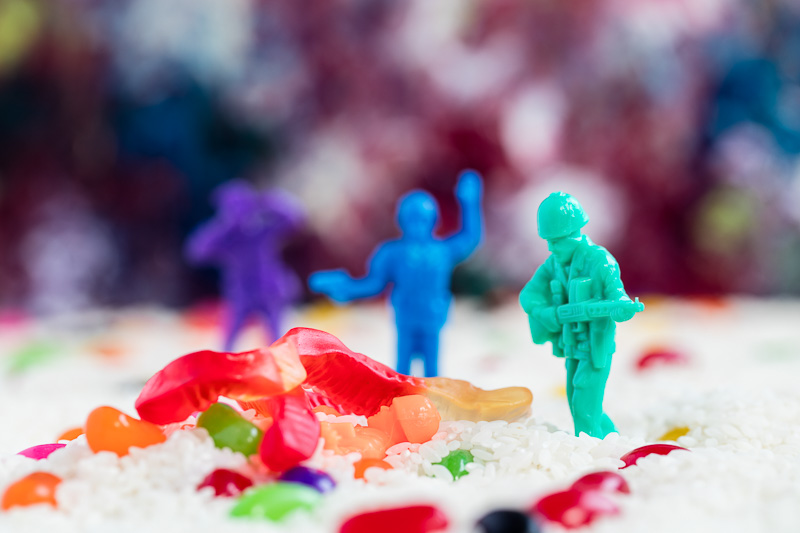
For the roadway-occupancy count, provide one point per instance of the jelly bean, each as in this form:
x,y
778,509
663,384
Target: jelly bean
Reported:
x,y
197,380
316,479
276,500
632,456
507,521
71,434
456,462
109,351
294,433
602,481
108,429
42,451
229,430
414,519
575,508
38,487
226,482
674,433
362,465
659,356
34,354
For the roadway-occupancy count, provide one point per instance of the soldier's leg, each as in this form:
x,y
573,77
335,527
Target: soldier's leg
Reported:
x,y
272,315
587,399
571,365
429,347
405,349
236,319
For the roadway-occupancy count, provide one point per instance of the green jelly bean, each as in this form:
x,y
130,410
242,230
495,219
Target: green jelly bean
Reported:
x,y
276,500
230,430
456,462
37,353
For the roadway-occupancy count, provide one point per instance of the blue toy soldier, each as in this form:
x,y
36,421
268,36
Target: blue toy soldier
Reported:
x,y
419,267
574,301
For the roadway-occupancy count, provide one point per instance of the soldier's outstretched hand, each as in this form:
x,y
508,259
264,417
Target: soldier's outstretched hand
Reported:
x,y
469,188
332,283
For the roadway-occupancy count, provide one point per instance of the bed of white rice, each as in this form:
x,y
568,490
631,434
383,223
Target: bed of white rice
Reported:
x,y
738,396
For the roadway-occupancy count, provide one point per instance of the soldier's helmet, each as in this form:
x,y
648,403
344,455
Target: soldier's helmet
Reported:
x,y
560,215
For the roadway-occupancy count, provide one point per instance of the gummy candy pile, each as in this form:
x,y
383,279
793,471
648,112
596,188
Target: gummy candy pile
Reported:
x,y
307,435
304,373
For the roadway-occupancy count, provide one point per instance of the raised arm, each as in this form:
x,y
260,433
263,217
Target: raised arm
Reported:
x,y
207,243
469,192
341,287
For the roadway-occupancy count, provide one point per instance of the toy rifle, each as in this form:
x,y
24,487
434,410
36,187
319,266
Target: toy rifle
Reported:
x,y
584,309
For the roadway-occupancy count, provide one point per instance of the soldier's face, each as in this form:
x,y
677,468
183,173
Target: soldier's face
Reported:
x,y
564,247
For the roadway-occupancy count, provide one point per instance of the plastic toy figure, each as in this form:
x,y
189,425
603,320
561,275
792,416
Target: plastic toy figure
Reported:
x,y
419,266
244,241
574,301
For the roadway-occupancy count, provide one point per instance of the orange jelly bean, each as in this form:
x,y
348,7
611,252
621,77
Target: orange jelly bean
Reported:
x,y
108,429
38,487
362,465
70,434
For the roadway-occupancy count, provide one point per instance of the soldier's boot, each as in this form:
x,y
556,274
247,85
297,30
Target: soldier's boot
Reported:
x,y
607,426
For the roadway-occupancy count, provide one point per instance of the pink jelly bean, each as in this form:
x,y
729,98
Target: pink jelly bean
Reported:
x,y
575,508
632,456
661,357
42,451
602,481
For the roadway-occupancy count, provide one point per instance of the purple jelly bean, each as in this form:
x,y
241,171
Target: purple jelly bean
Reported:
x,y
316,479
42,451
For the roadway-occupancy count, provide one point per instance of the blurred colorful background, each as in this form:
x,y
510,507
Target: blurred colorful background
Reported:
x,y
675,122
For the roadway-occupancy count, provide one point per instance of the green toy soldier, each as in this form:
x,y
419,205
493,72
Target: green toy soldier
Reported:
x,y
574,301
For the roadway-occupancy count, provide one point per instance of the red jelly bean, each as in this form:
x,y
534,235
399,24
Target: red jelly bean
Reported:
x,y
294,433
42,451
197,380
415,519
226,482
661,357
575,508
632,456
602,481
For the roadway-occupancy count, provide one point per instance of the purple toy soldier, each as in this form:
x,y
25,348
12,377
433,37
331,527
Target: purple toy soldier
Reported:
x,y
244,240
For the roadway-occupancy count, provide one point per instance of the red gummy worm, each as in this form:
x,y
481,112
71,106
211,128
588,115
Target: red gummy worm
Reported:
x,y
352,381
